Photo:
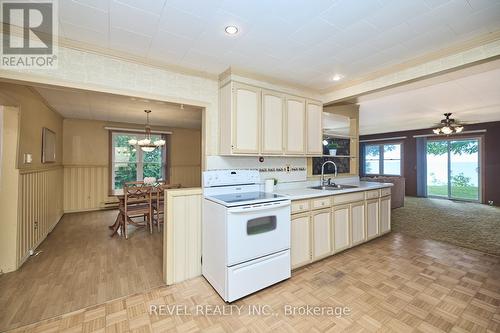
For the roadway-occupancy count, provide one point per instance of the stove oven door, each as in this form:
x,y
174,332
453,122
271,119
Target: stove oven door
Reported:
x,y
254,231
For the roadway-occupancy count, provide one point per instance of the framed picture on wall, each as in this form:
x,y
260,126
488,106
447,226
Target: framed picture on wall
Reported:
x,y
48,146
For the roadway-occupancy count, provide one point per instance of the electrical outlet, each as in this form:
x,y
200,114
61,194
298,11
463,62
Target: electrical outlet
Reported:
x,y
35,225
287,168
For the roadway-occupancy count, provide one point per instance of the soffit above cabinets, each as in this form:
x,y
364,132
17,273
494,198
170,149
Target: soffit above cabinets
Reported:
x,y
303,42
80,104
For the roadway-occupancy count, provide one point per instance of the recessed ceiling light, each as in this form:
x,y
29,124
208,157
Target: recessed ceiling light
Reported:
x,y
337,77
231,30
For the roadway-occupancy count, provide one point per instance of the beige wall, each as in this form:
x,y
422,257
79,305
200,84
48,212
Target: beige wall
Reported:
x,y
86,159
9,186
34,115
25,200
86,142
185,157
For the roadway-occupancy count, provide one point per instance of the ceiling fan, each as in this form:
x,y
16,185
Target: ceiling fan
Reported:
x,y
448,126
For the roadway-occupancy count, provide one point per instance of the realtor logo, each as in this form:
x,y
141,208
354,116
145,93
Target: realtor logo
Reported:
x,y
29,29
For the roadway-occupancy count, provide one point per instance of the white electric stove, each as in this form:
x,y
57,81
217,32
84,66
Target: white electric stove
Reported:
x,y
246,234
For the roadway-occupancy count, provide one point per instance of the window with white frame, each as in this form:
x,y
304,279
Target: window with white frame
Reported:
x,y
129,163
383,159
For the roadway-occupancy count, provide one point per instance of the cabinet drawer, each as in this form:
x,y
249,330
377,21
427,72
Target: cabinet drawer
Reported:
x,y
248,277
372,194
344,198
319,203
385,191
300,206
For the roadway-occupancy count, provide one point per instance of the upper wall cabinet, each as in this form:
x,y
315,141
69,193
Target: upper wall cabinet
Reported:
x,y
256,121
240,106
246,121
273,121
295,125
314,115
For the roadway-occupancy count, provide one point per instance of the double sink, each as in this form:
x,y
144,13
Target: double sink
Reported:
x,y
334,187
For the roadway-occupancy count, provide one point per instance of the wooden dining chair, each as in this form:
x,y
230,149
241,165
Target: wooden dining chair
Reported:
x,y
137,203
159,203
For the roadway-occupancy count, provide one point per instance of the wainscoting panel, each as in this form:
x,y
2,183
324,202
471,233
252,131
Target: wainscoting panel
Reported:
x,y
182,253
85,188
41,207
186,175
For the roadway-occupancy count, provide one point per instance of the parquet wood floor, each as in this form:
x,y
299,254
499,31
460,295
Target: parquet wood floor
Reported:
x,y
393,284
80,266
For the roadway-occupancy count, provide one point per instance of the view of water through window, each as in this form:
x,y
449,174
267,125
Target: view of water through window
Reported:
x,y
453,169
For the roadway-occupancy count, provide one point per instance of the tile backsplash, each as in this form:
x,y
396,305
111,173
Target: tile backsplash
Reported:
x,y
285,169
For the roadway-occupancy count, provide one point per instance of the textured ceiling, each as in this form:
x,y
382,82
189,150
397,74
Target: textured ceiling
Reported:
x,y
300,41
80,104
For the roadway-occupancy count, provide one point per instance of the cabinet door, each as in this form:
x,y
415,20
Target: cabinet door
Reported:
x,y
358,222
385,214
246,119
301,240
295,125
372,218
314,128
272,122
322,233
341,226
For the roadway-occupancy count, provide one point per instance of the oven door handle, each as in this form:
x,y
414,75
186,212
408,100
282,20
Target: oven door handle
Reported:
x,y
258,207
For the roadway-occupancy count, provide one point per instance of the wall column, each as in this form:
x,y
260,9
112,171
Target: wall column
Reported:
x,y
9,187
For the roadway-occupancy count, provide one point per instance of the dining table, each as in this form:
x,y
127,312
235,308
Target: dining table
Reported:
x,y
120,218
118,193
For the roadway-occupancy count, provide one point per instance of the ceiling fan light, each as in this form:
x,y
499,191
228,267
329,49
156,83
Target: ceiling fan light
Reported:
x,y
436,131
459,129
132,142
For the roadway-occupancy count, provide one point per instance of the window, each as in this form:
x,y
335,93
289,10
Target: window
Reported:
x,y
131,164
383,159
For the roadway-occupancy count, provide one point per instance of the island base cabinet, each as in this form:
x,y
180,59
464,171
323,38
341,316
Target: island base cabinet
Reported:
x,y
372,218
358,223
300,240
385,214
322,231
341,221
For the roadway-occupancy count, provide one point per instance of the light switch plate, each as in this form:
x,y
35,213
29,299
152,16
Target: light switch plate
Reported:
x,y
28,158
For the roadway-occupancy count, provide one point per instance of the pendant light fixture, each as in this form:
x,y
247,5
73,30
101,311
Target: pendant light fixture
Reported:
x,y
448,126
146,144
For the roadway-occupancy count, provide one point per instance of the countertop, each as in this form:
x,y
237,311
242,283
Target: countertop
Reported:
x,y
306,193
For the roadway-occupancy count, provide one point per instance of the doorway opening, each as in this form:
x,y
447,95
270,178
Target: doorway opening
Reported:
x,y
454,168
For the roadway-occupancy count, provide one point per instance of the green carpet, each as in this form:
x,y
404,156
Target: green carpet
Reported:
x,y
464,224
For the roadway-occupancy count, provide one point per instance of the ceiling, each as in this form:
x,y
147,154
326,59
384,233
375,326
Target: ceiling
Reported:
x,y
301,41
81,104
472,95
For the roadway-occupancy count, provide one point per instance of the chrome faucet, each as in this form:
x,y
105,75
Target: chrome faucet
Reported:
x,y
323,173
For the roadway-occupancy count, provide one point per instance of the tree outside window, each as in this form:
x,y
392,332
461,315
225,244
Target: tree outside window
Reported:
x,y
383,159
130,163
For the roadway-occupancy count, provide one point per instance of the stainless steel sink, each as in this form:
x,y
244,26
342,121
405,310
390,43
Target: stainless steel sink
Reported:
x,y
335,187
